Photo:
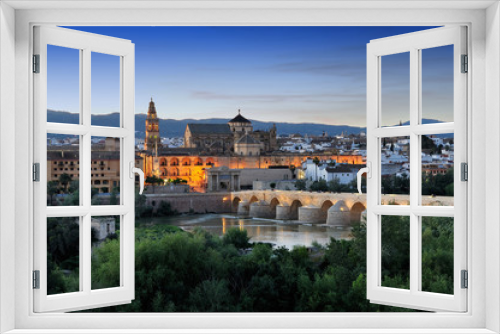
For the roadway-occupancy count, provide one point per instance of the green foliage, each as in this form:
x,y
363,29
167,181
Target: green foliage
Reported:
x,y
113,198
319,185
154,180
396,185
428,144
396,251
64,180
272,185
236,237
140,204
176,181
300,184
439,184
178,271
165,209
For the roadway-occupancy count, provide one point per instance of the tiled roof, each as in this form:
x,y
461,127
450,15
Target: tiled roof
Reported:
x,y
200,128
247,139
239,119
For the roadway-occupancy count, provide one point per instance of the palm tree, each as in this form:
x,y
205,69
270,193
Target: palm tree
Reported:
x,y
64,180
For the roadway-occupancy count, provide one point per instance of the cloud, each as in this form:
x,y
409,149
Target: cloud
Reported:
x,y
273,98
343,69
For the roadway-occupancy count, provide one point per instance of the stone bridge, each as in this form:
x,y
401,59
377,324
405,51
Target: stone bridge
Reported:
x,y
312,207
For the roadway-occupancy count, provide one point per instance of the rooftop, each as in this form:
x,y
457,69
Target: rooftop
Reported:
x,y
201,128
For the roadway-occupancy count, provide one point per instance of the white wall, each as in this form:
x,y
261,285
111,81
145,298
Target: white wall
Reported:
x,y
492,185
7,157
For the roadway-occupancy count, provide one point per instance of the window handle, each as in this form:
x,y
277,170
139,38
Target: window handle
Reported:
x,y
133,171
366,170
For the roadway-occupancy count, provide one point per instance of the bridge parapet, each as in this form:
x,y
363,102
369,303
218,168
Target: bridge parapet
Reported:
x,y
286,204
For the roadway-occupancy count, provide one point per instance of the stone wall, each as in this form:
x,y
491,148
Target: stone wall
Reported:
x,y
193,202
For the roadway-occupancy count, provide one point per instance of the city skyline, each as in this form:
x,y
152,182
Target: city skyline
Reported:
x,y
291,74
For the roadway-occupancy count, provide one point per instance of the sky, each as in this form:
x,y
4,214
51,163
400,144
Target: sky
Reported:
x,y
280,74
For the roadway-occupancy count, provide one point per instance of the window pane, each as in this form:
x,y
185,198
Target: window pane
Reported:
x,y
63,85
437,84
105,89
395,169
395,94
105,252
396,251
437,254
63,255
437,170
63,169
105,174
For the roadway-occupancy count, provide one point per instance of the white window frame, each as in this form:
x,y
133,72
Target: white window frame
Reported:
x,y
86,44
484,103
414,43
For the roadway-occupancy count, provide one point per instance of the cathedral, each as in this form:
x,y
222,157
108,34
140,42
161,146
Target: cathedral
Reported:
x,y
234,145
237,137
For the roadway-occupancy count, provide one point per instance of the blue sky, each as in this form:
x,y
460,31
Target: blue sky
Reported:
x,y
294,74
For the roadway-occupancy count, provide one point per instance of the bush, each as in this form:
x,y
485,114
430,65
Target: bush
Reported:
x,y
165,209
236,237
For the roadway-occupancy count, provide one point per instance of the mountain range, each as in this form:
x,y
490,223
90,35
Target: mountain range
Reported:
x,y
175,128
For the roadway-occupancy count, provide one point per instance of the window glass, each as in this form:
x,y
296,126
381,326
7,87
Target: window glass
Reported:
x,y
437,84
105,89
105,252
395,78
63,255
63,170
395,252
63,85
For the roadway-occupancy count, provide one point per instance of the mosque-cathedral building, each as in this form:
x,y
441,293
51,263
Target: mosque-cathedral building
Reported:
x,y
234,145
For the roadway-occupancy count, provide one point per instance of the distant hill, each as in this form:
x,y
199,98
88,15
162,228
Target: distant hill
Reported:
x,y
175,128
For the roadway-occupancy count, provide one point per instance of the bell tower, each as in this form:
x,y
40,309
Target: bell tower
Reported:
x,y
152,140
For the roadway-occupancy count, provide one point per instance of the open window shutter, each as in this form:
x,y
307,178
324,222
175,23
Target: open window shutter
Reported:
x,y
54,219
416,294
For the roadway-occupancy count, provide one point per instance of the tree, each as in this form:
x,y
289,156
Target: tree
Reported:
x,y
64,180
319,185
140,204
272,185
300,184
52,189
236,237
316,160
113,199
428,144
154,180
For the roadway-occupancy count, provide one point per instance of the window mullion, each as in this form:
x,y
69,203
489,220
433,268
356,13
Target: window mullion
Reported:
x,y
415,258
85,184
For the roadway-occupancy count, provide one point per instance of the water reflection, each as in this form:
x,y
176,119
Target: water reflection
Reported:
x,y
275,232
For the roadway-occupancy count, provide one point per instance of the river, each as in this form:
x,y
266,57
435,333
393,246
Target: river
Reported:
x,y
278,233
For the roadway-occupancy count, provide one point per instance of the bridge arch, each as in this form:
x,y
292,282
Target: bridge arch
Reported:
x,y
294,209
273,204
253,199
324,208
356,211
236,202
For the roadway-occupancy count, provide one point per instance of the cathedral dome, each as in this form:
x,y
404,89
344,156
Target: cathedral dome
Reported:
x,y
239,119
